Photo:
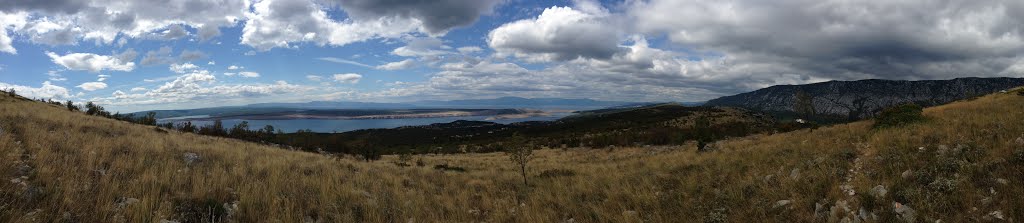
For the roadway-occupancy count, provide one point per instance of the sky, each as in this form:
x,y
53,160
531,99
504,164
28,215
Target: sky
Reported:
x,y
176,54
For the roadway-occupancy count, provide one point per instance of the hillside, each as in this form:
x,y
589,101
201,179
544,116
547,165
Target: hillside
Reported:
x,y
962,165
660,124
853,100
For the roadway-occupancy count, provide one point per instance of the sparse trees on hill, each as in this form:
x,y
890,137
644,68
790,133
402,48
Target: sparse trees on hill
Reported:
x,y
72,107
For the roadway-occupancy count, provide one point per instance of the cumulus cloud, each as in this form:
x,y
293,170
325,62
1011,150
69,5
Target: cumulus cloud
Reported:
x,y
279,23
46,90
848,39
90,62
159,56
314,77
175,32
183,68
398,65
558,34
64,21
190,55
422,47
436,16
199,85
348,78
92,86
10,21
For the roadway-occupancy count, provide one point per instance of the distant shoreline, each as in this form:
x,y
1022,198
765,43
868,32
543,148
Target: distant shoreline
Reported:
x,y
494,115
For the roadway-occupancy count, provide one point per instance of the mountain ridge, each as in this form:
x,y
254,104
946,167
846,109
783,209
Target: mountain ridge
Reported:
x,y
852,100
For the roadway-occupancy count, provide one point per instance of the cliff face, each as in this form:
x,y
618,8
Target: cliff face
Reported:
x,y
863,98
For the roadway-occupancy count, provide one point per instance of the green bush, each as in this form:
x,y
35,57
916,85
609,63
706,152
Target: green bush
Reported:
x,y
899,115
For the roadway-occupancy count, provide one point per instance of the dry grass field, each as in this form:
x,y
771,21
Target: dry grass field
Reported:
x,y
964,164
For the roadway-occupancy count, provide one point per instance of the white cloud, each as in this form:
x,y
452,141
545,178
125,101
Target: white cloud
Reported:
x,y
46,91
398,65
555,35
103,22
422,47
348,78
137,89
90,62
233,67
278,23
183,68
92,86
119,94
469,49
10,21
248,74
314,77
102,77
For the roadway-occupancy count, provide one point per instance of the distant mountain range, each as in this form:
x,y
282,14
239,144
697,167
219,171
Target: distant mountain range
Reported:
x,y
503,102
497,103
853,100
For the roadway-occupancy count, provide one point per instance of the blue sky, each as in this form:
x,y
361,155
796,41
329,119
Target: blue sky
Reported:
x,y
141,55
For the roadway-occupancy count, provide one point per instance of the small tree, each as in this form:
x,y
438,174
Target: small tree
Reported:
x,y
702,128
520,155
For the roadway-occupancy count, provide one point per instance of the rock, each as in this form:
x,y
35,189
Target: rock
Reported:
x,y
1002,181
229,209
123,202
191,158
904,212
848,189
782,203
629,213
907,174
168,221
879,191
819,210
1020,141
570,220
942,150
794,174
995,215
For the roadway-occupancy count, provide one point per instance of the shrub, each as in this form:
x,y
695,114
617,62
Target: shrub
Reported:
x,y
404,159
899,115
446,167
556,173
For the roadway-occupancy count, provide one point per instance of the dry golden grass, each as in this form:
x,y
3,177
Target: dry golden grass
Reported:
x,y
59,166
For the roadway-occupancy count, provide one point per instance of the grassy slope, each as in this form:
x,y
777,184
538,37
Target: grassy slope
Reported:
x,y
78,168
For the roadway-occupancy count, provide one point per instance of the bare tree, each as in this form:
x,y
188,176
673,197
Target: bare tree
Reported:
x,y
520,155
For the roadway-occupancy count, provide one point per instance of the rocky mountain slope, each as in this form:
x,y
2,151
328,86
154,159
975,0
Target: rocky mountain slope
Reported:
x,y
854,100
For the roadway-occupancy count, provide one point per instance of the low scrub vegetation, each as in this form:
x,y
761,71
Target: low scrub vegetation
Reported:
x,y
963,165
899,115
